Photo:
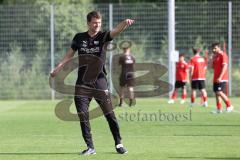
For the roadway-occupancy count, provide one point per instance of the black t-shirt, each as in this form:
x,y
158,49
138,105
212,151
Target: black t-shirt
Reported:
x,y
127,63
85,44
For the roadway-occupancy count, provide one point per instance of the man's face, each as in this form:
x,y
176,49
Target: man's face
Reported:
x,y
181,58
95,25
126,51
216,49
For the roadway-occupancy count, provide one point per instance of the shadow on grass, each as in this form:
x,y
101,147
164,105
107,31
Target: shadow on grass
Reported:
x,y
205,158
113,153
200,125
40,153
46,153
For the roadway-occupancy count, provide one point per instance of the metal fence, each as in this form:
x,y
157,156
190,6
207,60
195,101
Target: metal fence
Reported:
x,y
33,37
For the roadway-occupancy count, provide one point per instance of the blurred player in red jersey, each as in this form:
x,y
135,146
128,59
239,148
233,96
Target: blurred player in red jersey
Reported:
x,y
198,67
220,78
181,79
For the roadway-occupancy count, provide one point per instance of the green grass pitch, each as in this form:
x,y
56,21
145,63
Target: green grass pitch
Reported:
x,y
29,130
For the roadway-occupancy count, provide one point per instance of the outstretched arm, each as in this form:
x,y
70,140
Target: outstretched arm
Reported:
x,y
120,27
67,57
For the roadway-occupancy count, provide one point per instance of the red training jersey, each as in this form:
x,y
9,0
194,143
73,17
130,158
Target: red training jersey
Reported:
x,y
219,59
199,66
181,71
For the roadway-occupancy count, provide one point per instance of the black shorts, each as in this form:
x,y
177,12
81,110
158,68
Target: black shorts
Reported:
x,y
198,84
222,86
127,80
100,83
180,84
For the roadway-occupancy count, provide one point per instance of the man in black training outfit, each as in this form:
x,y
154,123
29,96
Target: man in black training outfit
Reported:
x,y
126,79
93,42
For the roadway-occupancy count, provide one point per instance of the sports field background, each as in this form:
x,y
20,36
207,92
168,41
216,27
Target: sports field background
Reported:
x,y
27,51
31,131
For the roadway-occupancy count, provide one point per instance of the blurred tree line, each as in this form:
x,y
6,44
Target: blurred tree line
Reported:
x,y
25,51
25,43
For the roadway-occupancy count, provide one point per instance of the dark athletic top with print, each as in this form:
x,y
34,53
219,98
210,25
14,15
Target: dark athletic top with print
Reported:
x,y
85,44
127,63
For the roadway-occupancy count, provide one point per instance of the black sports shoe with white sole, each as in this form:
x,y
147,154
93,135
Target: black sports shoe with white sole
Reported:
x,y
88,151
120,149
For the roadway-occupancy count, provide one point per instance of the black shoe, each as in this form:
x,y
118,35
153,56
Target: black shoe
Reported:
x,y
132,102
120,103
120,149
88,151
